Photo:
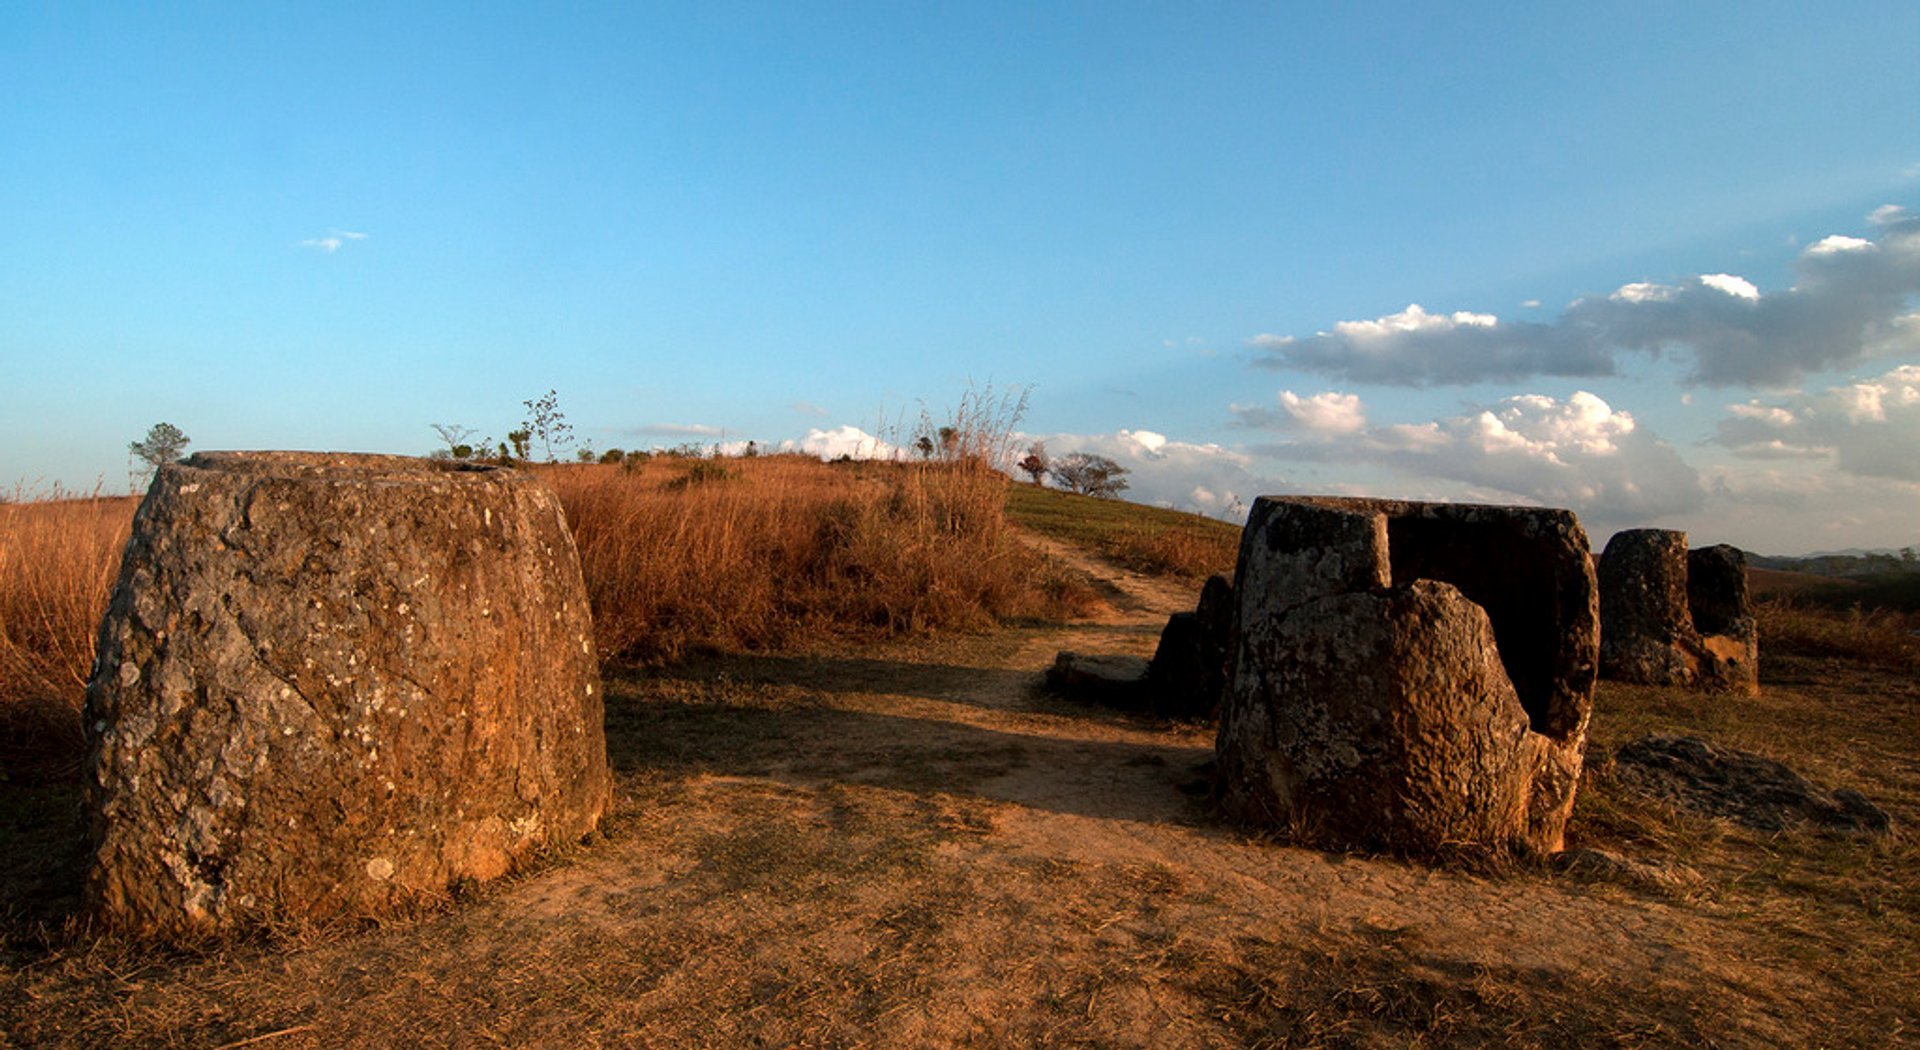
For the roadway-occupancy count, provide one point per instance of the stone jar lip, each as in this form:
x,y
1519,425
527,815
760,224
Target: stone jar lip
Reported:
x,y
336,466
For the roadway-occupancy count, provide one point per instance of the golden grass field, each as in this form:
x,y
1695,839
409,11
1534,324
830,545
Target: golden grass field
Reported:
x,y
846,814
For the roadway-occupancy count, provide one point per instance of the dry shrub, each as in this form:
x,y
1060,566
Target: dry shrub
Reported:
x,y
1190,552
1881,637
789,547
59,556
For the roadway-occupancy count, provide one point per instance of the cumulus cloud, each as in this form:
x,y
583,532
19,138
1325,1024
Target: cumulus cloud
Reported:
x,y
844,440
1579,452
1417,348
1869,428
1330,412
333,241
1790,509
1848,303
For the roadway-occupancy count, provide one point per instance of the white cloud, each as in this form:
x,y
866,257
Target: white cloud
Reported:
x,y
843,440
333,241
808,408
675,430
1835,244
1328,412
1644,292
1738,287
1847,304
1417,348
1889,214
1580,453
1869,428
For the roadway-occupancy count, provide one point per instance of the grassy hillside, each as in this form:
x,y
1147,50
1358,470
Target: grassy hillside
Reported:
x,y
1146,539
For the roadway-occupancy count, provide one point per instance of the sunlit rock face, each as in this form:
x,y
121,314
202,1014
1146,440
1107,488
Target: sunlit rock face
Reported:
x,y
1414,677
329,685
1669,616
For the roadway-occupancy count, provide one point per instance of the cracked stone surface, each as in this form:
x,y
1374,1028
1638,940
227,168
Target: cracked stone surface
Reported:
x,y
329,685
1409,676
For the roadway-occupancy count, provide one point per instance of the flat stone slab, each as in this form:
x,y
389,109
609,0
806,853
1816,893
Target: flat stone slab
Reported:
x,y
1743,787
1117,681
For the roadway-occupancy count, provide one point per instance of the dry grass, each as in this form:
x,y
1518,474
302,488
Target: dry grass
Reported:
x,y
1882,637
772,549
680,554
1839,705
59,555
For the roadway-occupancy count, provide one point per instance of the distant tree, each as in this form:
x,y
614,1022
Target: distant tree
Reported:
x,y
585,453
521,439
949,442
1035,462
163,444
1091,474
612,455
752,450
923,445
547,424
457,438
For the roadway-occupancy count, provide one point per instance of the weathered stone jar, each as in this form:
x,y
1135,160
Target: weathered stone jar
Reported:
x,y
1670,616
1409,676
331,684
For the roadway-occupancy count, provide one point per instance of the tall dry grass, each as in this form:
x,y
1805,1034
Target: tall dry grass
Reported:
x,y
679,554
59,555
737,553
1887,638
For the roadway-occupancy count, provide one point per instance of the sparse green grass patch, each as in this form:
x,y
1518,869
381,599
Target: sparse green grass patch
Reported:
x,y
1152,540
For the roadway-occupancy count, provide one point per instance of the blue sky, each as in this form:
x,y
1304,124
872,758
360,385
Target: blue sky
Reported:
x,y
1194,232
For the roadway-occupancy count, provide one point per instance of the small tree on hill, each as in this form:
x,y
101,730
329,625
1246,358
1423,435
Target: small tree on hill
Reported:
x,y
1035,462
547,424
163,444
1091,474
457,437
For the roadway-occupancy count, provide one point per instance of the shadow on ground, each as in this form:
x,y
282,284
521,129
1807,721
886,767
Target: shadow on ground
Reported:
x,y
1093,778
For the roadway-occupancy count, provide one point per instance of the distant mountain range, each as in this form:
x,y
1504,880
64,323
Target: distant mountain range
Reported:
x,y
1853,561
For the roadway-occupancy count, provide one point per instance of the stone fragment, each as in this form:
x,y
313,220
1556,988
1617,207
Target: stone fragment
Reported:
x,y
1670,617
328,685
1740,786
1117,681
1189,669
1409,676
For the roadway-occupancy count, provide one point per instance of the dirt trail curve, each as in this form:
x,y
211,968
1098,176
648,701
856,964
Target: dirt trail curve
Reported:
x,y
915,845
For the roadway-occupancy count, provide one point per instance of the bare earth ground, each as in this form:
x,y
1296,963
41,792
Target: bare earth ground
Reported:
x,y
914,845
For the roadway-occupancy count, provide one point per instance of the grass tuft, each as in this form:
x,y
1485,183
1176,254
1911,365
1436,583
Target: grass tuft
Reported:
x,y
59,555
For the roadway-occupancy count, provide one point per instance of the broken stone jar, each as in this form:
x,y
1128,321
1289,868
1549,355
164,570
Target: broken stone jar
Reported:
x,y
1406,676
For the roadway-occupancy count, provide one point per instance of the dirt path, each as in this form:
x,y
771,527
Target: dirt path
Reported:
x,y
914,845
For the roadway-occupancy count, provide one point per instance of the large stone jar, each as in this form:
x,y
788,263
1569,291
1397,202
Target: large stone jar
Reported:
x,y
329,685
